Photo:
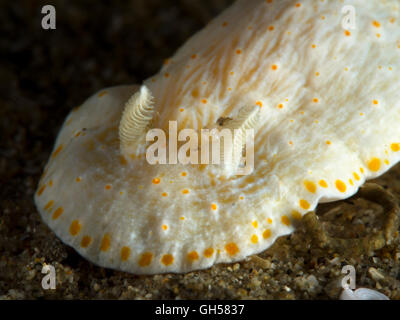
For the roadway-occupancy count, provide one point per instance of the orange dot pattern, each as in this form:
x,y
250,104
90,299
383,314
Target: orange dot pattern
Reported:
x,y
193,256
105,243
85,242
231,248
75,227
167,259
125,253
208,252
145,259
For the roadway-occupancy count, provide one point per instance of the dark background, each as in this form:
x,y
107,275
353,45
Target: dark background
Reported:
x,y
46,73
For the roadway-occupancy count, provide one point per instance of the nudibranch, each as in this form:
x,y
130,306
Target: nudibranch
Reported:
x,y
324,104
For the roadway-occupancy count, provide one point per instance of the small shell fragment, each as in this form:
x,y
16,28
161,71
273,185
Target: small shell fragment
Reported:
x,y
362,294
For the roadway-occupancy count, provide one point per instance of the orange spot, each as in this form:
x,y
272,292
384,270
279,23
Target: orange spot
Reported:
x,y
78,179
315,100
166,74
75,227
323,17
57,151
296,215
164,194
125,253
231,248
108,187
193,256
103,93
122,160
195,93
255,224
194,56
145,259
317,74
39,193
356,176
238,51
224,24
304,204
271,28
49,205
167,259
185,191
269,1
274,67
184,174
375,102
57,213
313,46
347,33
328,142
259,103
395,147
214,206
156,180
269,220
165,227
208,252
310,186
181,109
280,106
387,162
362,170
298,5
86,240
351,182
323,184
267,234
374,164
204,101
254,239
340,185
105,242
376,24
285,220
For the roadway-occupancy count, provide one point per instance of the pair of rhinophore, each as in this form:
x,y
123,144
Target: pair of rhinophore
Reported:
x,y
236,135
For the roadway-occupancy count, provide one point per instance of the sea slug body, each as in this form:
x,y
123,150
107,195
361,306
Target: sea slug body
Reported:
x,y
328,109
